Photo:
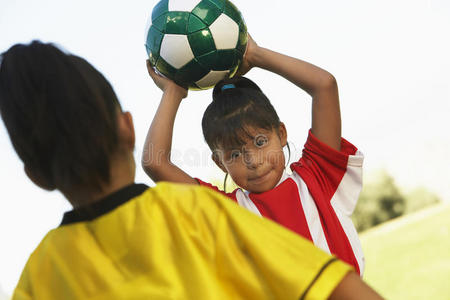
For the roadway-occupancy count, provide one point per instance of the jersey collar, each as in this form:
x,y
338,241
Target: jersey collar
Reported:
x,y
103,206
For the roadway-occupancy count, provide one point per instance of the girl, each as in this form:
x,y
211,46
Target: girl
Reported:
x,y
247,138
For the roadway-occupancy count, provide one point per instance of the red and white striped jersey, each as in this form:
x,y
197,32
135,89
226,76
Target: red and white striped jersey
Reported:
x,y
317,199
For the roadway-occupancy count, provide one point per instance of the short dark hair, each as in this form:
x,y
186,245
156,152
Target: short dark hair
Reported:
x,y
238,104
60,113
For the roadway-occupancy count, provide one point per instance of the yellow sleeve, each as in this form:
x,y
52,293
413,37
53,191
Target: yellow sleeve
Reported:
x,y
258,258
22,290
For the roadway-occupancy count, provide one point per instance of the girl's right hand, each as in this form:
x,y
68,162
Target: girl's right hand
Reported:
x,y
165,84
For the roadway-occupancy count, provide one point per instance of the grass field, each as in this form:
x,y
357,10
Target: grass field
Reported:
x,y
409,258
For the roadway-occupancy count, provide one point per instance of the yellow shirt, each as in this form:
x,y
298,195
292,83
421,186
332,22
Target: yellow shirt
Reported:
x,y
175,242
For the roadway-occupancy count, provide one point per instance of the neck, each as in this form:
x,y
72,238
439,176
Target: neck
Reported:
x,y
122,174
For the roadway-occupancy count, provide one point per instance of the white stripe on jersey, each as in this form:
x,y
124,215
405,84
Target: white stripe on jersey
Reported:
x,y
311,214
244,200
349,189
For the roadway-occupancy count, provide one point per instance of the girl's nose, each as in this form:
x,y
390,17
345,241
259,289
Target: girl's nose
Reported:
x,y
253,159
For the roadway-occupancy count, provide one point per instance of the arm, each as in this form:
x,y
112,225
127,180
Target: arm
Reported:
x,y
321,85
158,144
353,288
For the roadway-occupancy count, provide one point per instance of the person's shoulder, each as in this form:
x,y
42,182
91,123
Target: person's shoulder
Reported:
x,y
177,194
175,189
40,254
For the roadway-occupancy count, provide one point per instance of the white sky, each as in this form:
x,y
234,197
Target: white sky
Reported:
x,y
391,60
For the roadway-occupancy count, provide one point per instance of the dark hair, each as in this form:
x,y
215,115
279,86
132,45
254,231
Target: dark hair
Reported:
x,y
238,104
61,115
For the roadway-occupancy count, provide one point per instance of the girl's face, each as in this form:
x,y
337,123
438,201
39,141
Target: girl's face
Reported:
x,y
259,164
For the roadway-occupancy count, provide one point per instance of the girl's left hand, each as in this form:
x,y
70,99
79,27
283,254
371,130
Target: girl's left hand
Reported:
x,y
247,62
165,84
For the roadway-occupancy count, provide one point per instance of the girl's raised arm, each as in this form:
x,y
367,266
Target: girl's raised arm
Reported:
x,y
320,84
158,144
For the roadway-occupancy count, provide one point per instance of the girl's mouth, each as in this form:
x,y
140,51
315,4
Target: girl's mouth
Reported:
x,y
261,178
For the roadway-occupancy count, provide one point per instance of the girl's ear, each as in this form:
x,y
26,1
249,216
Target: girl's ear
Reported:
x,y
215,157
282,134
126,129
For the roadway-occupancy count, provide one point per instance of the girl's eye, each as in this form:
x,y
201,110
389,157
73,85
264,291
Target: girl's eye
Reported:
x,y
260,140
235,154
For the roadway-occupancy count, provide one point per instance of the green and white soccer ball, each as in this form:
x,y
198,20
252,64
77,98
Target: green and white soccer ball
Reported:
x,y
196,43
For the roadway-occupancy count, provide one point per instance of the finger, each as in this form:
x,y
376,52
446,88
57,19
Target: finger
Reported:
x,y
153,75
150,68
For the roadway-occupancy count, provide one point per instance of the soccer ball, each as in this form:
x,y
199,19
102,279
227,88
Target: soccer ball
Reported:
x,y
196,43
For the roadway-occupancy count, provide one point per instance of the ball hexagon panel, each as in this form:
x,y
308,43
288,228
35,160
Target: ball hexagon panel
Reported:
x,y
219,3
175,50
211,79
177,22
160,22
183,5
160,8
147,28
230,10
220,60
195,24
226,59
191,72
201,42
207,11
153,44
243,38
225,32
166,69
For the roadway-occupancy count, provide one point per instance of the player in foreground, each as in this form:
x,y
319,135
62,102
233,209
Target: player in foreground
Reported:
x,y
123,240
246,137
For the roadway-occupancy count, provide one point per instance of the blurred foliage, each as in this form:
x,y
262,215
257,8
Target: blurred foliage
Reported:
x,y
420,198
381,200
230,185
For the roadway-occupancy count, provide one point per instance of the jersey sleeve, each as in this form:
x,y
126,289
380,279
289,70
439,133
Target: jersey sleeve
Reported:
x,y
20,294
259,259
331,175
23,289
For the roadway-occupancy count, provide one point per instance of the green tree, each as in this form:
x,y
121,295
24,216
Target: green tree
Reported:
x,y
419,198
380,201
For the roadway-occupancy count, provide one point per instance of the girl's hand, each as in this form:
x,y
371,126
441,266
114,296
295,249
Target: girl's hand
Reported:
x,y
247,63
166,84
